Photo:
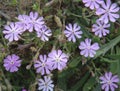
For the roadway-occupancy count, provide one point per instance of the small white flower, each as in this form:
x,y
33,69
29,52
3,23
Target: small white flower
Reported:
x,y
46,84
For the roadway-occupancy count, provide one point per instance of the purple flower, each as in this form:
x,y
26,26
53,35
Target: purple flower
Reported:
x,y
12,32
92,4
24,89
57,59
12,62
36,22
100,28
72,32
108,11
87,49
44,33
23,22
42,66
46,84
109,81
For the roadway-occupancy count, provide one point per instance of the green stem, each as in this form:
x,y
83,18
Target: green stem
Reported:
x,y
75,15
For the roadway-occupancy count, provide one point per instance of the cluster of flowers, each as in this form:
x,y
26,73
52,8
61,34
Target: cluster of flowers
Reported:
x,y
87,49
107,11
57,59
32,22
108,81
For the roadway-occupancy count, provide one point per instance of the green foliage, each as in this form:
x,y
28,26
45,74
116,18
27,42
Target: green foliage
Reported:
x,y
108,46
80,83
81,74
89,84
14,2
35,6
76,0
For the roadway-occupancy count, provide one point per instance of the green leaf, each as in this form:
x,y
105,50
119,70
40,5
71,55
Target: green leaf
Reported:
x,y
76,0
14,2
114,67
35,6
66,73
107,46
89,84
80,83
97,88
108,60
62,84
2,53
114,56
74,62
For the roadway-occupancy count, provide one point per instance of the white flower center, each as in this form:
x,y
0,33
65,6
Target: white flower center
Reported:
x,y
109,82
12,62
73,31
46,84
12,31
43,64
107,10
42,32
88,47
33,21
101,27
57,59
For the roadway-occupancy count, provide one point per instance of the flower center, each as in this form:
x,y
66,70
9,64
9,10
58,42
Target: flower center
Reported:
x,y
107,10
43,64
46,84
12,62
57,59
109,82
13,31
42,33
33,21
88,47
73,31
101,27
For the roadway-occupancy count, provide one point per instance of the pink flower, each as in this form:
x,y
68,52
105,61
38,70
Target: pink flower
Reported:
x,y
57,59
93,4
35,22
101,28
12,32
44,33
42,65
109,81
12,62
45,84
88,49
72,32
108,11
23,22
